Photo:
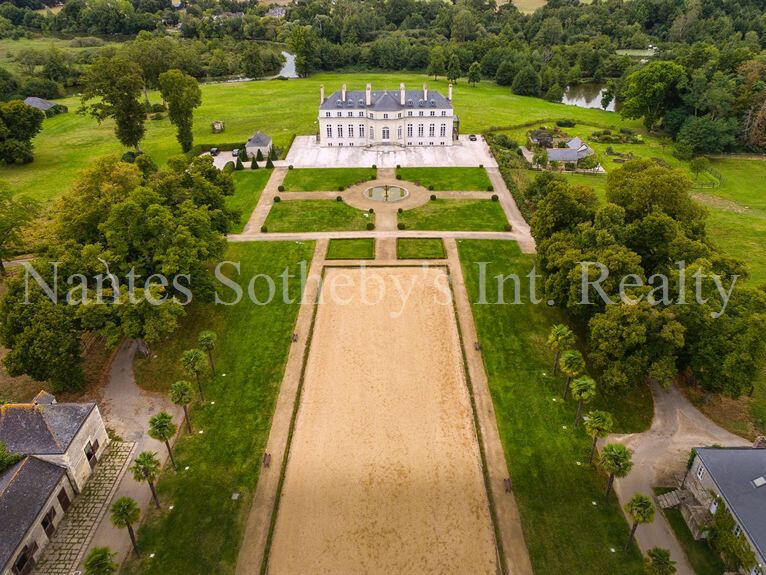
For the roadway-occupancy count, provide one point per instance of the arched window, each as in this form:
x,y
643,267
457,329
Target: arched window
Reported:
x,y
385,133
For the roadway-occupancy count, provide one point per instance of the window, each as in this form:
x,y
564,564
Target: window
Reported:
x,y
90,453
361,114
409,113
700,471
420,130
329,131
713,507
372,115
25,562
385,116
444,112
420,113
340,114
350,114
385,133
64,500
351,130
431,130
737,530
409,130
372,133
399,115
361,130
340,130
399,133
443,130
47,522
433,112
327,114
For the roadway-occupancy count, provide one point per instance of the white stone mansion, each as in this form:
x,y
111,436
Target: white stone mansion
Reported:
x,y
388,117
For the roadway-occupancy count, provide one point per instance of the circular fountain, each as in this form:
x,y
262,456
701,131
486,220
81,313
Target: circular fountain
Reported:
x,y
385,193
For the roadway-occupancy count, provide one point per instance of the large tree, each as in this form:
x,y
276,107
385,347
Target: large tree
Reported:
x,y
652,91
19,123
162,428
15,214
598,425
154,55
125,512
617,461
641,510
183,95
437,65
146,467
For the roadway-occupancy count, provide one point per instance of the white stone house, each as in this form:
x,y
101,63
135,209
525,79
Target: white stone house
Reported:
x,y
387,118
60,444
259,142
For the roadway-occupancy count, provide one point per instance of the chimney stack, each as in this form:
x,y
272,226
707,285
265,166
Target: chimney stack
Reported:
x,y
401,94
343,92
321,94
449,92
368,95
425,92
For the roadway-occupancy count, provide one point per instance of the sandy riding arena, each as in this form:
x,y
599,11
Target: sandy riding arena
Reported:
x,y
384,472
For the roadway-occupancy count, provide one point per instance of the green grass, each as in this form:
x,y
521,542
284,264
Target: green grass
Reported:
x,y
459,215
356,249
316,216
325,179
703,559
459,179
10,49
203,531
564,531
420,248
248,185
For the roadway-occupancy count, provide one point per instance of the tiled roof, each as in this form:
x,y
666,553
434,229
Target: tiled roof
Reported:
x,y
386,101
259,140
32,429
562,155
24,489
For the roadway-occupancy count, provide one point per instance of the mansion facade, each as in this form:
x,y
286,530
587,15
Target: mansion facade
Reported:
x,y
387,118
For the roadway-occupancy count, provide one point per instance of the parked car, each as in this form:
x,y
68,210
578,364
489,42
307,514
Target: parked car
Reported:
x,y
235,152
214,151
472,137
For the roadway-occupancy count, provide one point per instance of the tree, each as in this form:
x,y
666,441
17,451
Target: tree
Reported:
x,y
183,95
527,82
114,85
658,562
207,341
653,90
708,135
436,62
583,390
15,214
162,428
453,70
506,72
125,513
253,62
698,165
560,338
7,459
598,424
146,467
100,561
180,394
154,55
194,363
616,460
19,123
474,73
572,364
303,42
555,93
641,510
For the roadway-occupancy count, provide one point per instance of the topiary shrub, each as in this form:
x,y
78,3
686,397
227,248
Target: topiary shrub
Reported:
x,y
229,167
371,211
341,188
277,199
481,165
495,198
566,123
433,197
259,156
264,229
370,226
253,165
398,166
269,163
490,188
290,167
400,210
338,198
281,188
239,165
374,167
430,188
508,228
401,225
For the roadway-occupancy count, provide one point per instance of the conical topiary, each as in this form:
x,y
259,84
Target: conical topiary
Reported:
x,y
259,155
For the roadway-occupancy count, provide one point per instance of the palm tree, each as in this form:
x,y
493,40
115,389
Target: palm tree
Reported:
x,y
583,390
658,562
125,513
99,562
598,424
162,428
180,394
146,467
572,364
616,461
194,362
641,510
560,338
206,341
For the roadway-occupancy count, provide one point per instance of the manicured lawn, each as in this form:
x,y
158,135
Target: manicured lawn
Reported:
x,y
356,249
703,559
325,179
460,215
202,533
419,248
316,216
458,179
248,185
564,531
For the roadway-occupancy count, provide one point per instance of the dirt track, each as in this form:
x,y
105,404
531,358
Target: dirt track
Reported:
x,y
384,472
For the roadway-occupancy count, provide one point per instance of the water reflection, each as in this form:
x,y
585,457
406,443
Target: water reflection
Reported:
x,y
587,96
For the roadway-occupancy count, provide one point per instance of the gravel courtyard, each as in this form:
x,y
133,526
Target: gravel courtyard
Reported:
x,y
384,473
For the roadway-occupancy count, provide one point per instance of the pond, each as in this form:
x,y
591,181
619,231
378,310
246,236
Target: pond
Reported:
x,y
288,69
587,96
386,193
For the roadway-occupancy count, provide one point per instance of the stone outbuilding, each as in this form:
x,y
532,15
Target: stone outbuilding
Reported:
x,y
259,142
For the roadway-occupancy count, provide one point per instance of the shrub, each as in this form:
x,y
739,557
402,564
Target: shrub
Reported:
x,y
495,198
341,188
259,155
398,177
239,165
400,211
253,165
269,163
277,199
158,108
398,166
338,198
566,123
490,188
508,227
281,188
229,167
374,167
371,211
481,165
157,116
430,188
290,167
433,197
627,131
370,226
401,225
129,157
264,229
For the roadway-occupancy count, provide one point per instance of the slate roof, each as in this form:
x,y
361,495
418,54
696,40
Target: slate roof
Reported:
x,y
386,101
43,429
259,140
39,103
24,489
563,155
734,470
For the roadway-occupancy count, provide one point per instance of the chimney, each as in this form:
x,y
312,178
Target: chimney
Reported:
x,y
425,92
321,94
368,95
401,94
449,92
343,92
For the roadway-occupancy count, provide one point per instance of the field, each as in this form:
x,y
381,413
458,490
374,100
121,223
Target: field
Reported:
x,y
384,473
248,185
356,249
325,179
564,530
462,215
460,179
10,49
316,216
419,248
202,532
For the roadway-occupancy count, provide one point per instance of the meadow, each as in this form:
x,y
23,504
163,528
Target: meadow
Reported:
x,y
459,215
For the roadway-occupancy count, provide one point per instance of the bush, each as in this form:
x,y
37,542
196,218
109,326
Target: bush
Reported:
x,y
490,188
430,188
374,167
495,198
433,197
371,211
508,228
290,167
129,157
398,166
370,226
277,199
157,116
264,229
566,123
259,155
341,188
269,163
401,225
239,165
253,165
338,198
158,108
229,167
281,188
481,165
400,211
627,131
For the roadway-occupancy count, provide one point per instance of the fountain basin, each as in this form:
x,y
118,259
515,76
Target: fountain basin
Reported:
x,y
386,193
